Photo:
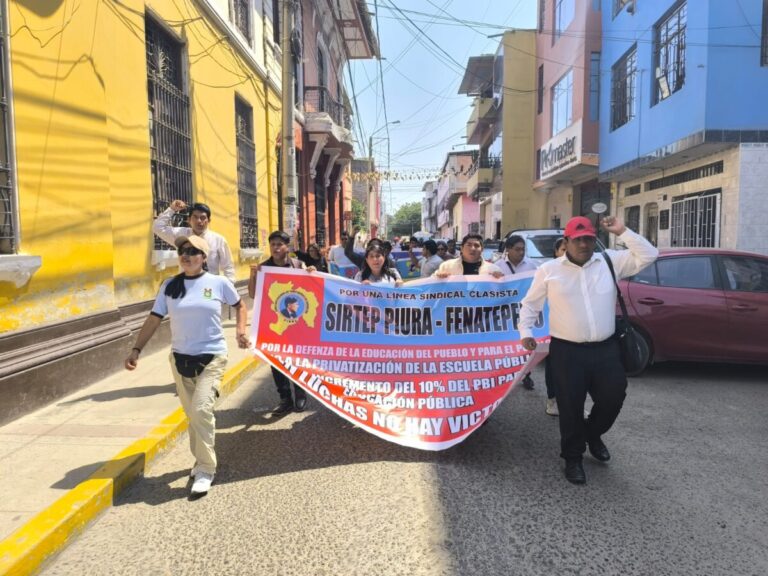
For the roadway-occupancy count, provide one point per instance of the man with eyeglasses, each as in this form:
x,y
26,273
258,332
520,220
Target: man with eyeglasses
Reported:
x,y
220,257
584,354
336,254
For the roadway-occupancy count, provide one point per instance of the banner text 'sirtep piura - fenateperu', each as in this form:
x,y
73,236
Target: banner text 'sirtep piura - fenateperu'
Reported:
x,y
422,365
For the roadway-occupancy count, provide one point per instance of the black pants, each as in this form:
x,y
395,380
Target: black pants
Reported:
x,y
548,378
283,385
578,370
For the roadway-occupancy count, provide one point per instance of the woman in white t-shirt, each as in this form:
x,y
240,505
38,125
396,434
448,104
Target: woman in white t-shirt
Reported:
x,y
193,301
375,269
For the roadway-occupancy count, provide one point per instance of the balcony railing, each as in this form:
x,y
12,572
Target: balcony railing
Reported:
x,y
318,99
481,177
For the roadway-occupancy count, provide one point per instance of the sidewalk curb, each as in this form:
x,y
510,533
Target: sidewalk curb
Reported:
x,y
24,551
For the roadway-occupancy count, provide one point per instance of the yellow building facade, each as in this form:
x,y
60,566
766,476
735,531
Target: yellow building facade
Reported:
x,y
114,109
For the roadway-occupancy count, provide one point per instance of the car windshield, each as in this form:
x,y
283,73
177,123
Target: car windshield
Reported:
x,y
541,246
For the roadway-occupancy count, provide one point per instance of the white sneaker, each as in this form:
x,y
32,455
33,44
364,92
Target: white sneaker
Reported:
x,y
193,471
202,483
552,407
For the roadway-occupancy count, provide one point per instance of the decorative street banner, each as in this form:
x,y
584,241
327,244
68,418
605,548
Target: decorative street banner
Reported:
x,y
422,365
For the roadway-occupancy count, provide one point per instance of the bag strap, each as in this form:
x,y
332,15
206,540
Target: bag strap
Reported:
x,y
624,313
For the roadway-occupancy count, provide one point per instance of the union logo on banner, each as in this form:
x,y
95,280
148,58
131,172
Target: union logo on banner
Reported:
x,y
422,365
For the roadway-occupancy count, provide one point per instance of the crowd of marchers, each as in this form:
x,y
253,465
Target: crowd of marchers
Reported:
x,y
584,356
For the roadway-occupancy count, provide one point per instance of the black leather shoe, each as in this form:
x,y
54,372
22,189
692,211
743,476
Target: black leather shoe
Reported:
x,y
599,450
528,382
574,473
300,403
285,406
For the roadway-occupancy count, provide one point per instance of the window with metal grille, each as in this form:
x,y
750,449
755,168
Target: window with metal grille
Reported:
x,y
169,127
696,220
669,57
564,11
246,175
8,216
594,87
687,176
632,190
623,77
632,218
764,36
664,220
562,103
240,12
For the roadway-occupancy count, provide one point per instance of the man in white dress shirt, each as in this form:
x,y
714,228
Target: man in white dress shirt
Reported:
x,y
219,258
584,353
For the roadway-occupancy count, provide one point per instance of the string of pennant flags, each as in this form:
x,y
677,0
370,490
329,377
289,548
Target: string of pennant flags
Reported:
x,y
417,175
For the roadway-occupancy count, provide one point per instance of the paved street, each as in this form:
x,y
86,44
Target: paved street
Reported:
x,y
312,495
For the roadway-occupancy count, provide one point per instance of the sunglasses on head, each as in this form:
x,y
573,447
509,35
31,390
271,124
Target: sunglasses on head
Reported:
x,y
189,251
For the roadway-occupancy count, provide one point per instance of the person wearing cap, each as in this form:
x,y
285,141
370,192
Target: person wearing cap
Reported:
x,y
193,300
584,353
279,250
220,258
470,262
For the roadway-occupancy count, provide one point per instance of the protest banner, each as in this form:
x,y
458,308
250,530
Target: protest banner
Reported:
x,y
422,365
343,271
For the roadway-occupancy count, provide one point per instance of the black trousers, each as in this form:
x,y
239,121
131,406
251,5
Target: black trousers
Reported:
x,y
592,368
283,385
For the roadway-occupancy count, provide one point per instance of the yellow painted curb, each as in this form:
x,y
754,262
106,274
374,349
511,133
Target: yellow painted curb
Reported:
x,y
24,551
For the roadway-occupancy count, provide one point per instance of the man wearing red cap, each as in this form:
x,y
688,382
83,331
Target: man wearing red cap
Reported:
x,y
584,354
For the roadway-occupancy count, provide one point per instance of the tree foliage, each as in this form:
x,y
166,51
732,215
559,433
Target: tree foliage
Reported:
x,y
406,220
358,214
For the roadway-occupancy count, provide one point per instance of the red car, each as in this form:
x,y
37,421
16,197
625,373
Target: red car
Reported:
x,y
702,304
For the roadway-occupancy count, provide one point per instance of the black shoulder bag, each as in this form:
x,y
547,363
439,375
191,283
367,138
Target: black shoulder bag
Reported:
x,y
191,366
633,356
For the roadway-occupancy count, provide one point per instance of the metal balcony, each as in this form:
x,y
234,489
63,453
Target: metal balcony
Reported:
x,y
317,99
482,174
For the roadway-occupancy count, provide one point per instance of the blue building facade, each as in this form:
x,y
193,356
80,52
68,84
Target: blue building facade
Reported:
x,y
684,119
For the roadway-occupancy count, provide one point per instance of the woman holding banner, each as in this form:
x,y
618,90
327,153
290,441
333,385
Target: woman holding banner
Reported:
x,y
376,268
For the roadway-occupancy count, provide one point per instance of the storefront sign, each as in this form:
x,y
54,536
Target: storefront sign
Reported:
x,y
561,152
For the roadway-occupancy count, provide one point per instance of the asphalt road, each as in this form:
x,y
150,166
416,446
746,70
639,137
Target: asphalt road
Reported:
x,y
685,493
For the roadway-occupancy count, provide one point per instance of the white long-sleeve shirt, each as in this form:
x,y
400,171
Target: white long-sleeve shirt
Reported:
x,y
582,299
509,269
220,257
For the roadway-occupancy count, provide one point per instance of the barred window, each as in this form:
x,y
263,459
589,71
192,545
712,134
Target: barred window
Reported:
x,y
632,218
594,87
8,216
670,53
623,78
246,175
240,12
169,126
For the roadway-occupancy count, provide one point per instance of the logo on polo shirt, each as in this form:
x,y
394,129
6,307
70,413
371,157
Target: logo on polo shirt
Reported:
x,y
208,293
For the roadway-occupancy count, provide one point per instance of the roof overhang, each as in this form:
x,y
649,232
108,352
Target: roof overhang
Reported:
x,y
354,22
478,76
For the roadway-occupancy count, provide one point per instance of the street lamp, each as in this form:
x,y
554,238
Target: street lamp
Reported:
x,y
370,164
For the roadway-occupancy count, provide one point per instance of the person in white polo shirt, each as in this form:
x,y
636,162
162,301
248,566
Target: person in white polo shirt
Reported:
x,y
584,353
193,300
220,257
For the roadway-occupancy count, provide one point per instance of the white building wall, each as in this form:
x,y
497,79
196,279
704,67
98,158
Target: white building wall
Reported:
x,y
752,222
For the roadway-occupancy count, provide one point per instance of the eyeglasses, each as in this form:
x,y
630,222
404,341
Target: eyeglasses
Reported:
x,y
190,251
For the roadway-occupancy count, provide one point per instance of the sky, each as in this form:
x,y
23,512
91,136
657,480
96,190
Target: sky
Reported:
x,y
420,81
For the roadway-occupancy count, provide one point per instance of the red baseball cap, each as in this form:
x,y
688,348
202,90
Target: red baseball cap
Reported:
x,y
579,226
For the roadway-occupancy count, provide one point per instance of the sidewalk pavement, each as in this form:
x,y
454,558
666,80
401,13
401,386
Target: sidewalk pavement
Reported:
x,y
62,465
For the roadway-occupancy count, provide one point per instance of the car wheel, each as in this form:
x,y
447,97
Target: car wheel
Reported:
x,y
645,353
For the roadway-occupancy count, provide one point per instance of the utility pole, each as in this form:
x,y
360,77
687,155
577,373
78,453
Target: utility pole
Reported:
x,y
288,148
